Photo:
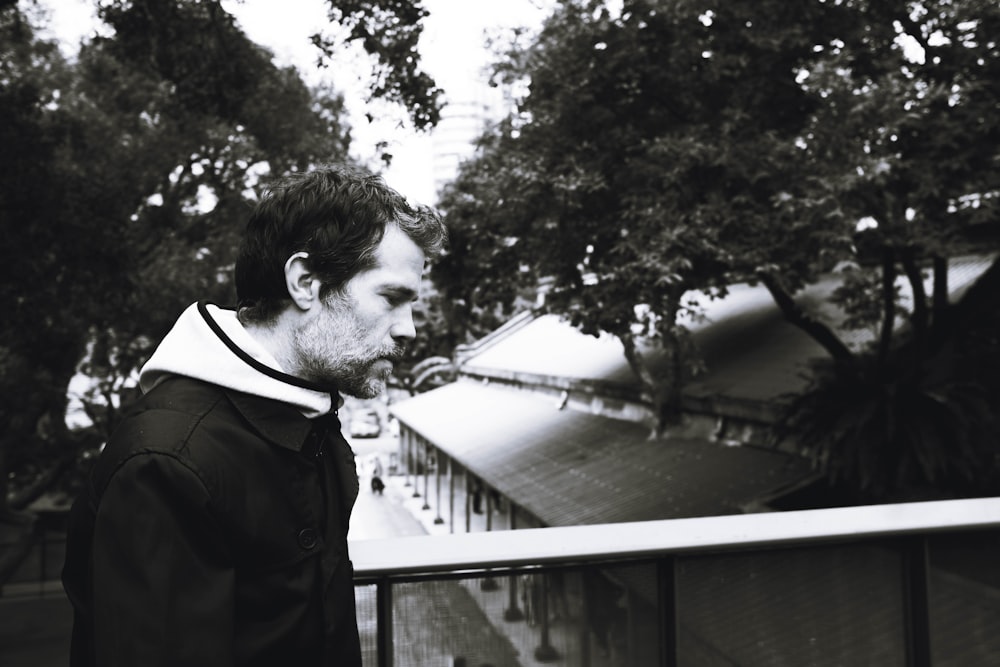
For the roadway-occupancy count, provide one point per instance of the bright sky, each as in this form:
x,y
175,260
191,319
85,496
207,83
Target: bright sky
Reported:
x,y
452,48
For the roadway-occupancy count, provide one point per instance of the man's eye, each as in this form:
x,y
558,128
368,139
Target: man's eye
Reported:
x,y
397,299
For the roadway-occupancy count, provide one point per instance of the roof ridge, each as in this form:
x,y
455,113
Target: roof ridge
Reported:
x,y
469,350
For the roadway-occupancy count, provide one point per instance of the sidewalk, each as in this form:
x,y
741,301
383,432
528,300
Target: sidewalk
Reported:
x,y
565,635
437,620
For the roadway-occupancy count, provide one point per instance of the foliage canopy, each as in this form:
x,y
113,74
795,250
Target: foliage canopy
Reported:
x,y
126,180
665,150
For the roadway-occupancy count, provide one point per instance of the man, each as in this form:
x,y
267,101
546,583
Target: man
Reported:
x,y
214,527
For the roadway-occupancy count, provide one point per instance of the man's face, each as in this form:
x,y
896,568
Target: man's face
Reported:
x,y
358,333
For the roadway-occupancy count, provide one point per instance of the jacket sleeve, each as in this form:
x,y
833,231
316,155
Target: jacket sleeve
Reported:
x,y
162,576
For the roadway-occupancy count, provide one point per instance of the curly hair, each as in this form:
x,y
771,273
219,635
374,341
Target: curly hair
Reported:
x,y
337,215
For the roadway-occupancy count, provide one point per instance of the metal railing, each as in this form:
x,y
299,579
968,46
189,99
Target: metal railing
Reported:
x,y
903,584
907,584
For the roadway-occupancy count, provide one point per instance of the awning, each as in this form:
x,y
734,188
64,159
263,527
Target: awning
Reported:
x,y
568,467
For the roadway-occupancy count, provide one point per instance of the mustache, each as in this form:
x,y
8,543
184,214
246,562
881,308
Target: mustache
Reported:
x,y
393,353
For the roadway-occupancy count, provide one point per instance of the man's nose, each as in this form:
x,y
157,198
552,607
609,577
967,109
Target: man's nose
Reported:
x,y
403,328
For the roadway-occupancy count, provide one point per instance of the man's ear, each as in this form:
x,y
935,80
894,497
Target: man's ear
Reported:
x,y
302,284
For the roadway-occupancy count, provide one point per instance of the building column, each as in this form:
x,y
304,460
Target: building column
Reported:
x,y
488,583
416,468
427,472
451,495
468,502
404,445
439,457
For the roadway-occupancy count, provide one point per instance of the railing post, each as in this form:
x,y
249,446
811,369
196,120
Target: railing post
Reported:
x,y
666,571
512,612
545,651
383,631
916,568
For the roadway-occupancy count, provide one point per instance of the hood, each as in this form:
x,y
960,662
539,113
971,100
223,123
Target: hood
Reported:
x,y
208,343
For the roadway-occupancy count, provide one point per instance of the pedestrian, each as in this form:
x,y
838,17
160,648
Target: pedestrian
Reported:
x,y
213,530
378,486
477,495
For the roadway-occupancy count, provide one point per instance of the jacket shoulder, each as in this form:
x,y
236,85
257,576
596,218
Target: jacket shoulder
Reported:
x,y
166,417
164,421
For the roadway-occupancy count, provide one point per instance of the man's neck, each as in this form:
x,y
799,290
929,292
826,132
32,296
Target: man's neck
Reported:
x,y
276,340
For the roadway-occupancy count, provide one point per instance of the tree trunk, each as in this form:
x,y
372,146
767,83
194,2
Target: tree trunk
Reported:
x,y
940,301
888,303
664,395
821,333
920,317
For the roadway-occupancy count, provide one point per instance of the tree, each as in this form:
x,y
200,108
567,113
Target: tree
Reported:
x,y
389,31
906,142
672,149
32,365
129,175
633,165
125,181
123,192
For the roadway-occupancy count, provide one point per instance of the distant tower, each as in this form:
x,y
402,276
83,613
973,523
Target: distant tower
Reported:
x,y
454,52
464,118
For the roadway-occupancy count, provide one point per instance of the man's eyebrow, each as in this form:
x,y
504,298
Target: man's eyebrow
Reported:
x,y
401,292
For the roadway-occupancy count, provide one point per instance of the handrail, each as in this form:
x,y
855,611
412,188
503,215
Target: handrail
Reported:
x,y
646,539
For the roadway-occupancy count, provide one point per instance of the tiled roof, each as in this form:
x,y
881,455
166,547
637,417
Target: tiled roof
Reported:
x,y
751,353
568,467
549,346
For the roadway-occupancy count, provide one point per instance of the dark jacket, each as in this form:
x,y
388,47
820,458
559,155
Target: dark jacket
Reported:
x,y
214,532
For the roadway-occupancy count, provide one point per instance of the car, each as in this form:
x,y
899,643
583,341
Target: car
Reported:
x,y
365,424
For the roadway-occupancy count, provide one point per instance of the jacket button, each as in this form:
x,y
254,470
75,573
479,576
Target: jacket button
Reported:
x,y
308,538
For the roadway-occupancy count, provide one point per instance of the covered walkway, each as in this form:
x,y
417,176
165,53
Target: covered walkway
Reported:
x,y
545,466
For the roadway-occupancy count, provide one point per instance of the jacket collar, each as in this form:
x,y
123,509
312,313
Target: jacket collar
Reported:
x,y
280,423
208,343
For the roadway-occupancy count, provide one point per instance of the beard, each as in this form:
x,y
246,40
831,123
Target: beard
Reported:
x,y
335,349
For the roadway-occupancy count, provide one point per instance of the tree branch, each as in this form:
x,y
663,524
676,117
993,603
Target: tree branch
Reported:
x,y
794,315
888,302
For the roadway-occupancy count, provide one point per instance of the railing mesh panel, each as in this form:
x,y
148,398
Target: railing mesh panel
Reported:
x,y
593,617
829,606
365,598
964,591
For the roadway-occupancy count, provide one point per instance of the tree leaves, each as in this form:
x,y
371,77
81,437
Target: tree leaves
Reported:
x,y
389,30
126,180
668,149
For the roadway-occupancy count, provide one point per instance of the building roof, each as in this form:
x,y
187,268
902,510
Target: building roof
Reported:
x,y
750,352
568,467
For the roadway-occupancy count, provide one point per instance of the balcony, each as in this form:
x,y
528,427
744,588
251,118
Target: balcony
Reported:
x,y
907,584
